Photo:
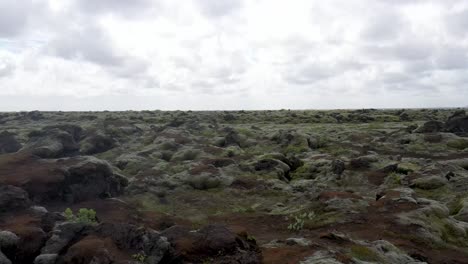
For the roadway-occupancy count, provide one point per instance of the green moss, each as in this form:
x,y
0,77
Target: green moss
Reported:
x,y
246,132
417,147
301,170
296,149
387,118
407,167
394,179
448,232
375,126
148,202
459,144
336,150
456,205
364,253
208,133
245,209
443,193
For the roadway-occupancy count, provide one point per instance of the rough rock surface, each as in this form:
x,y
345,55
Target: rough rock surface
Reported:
x,y
54,142
430,127
209,241
71,180
8,143
13,198
312,186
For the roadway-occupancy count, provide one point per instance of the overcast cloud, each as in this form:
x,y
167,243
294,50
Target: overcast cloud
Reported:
x,y
232,54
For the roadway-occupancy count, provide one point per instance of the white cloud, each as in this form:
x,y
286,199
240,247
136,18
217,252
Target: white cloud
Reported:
x,y
231,54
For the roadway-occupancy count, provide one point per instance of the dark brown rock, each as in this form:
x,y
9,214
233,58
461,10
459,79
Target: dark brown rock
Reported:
x,y
13,198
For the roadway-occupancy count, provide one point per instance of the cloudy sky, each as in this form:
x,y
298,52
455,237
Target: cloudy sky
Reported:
x,y
232,54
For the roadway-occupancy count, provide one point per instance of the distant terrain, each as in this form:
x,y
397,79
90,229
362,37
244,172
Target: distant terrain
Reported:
x,y
335,186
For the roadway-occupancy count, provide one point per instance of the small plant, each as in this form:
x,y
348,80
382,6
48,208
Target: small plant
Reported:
x,y
84,215
299,221
251,238
69,214
140,257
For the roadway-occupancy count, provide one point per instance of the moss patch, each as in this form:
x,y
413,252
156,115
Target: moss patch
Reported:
x,y
364,253
459,144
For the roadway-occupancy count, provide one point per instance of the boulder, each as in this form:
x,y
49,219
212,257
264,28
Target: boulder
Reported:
x,y
73,242
321,257
429,183
70,180
212,242
433,138
131,237
321,169
337,167
203,177
91,178
457,125
46,259
430,127
8,143
457,114
389,253
53,142
90,250
363,161
316,142
75,131
303,242
4,259
232,138
32,239
34,115
291,160
404,117
62,235
291,140
219,162
278,167
96,143
8,240
13,198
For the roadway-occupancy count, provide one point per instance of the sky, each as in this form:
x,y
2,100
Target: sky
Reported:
x,y
232,54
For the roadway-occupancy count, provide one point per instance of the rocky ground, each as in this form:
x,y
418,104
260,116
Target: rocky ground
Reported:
x,y
361,186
